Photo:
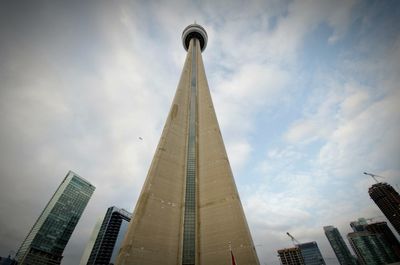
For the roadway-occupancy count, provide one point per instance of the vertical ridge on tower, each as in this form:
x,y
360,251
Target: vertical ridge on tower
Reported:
x,y
189,225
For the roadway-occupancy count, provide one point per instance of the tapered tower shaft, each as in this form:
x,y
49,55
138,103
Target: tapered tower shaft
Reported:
x,y
189,211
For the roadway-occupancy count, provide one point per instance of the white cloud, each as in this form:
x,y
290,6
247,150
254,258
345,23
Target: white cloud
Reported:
x,y
348,125
304,129
251,89
365,138
86,113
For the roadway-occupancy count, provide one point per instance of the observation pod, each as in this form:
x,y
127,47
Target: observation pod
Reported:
x,y
194,31
189,211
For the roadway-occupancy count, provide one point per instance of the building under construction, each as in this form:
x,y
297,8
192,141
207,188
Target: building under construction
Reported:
x,y
291,256
388,200
303,253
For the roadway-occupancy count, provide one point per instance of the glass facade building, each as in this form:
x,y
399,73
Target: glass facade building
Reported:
x,y
109,237
338,245
359,225
311,253
50,234
370,248
387,235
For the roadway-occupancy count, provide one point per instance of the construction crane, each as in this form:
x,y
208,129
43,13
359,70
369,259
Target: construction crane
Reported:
x,y
373,176
294,240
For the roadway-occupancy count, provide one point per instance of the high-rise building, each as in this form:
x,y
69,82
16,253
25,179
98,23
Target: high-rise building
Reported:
x,y
189,211
291,256
48,237
89,246
109,237
388,200
338,245
303,253
370,248
373,243
359,225
311,253
387,235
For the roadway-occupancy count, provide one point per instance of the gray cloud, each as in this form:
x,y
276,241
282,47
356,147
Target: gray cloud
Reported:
x,y
80,82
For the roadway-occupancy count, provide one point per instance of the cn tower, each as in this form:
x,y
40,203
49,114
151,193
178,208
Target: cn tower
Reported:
x,y
189,211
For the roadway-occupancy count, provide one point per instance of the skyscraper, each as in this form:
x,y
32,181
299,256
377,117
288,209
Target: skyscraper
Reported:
x,y
303,253
338,245
388,200
387,235
291,256
48,237
370,244
311,253
359,225
370,248
89,245
109,237
189,211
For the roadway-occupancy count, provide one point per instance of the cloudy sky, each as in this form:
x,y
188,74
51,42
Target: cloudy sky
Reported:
x,y
306,93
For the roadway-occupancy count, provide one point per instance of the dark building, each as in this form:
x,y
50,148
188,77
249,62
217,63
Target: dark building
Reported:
x,y
45,243
303,253
370,248
388,200
291,256
383,229
359,225
7,261
370,244
311,254
338,245
110,237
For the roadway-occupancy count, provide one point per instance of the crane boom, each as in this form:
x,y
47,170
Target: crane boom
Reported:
x,y
294,240
373,176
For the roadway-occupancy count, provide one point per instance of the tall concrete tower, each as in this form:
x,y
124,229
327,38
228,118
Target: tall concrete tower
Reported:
x,y
189,211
